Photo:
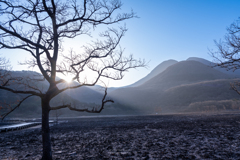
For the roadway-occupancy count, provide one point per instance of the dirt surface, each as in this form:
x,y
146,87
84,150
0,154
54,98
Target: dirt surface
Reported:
x,y
136,137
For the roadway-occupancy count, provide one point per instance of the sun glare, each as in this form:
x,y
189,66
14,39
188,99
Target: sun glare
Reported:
x,y
68,79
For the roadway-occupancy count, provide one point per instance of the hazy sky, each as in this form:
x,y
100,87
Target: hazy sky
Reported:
x,y
167,29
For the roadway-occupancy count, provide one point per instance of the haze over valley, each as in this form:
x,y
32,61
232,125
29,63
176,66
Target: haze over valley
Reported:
x,y
193,85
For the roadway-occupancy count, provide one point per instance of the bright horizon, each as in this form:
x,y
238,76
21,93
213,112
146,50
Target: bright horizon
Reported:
x,y
165,30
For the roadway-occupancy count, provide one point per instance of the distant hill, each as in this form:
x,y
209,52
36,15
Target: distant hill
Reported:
x,y
101,89
184,72
203,61
82,97
235,73
177,87
157,70
180,97
83,94
32,106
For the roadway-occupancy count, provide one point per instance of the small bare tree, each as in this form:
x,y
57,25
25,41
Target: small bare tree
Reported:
x,y
228,52
4,74
57,114
40,27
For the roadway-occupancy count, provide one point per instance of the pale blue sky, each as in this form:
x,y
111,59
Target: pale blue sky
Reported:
x,y
167,29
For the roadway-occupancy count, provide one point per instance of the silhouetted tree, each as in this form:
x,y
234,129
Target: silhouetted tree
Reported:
x,y
57,114
4,74
39,28
228,51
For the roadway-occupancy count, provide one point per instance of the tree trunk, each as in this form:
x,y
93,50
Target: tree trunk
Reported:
x,y
46,141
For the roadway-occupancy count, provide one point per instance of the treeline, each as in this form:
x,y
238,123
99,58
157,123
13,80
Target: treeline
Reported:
x,y
214,106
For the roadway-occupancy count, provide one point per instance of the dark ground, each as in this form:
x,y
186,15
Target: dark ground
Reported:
x,y
137,137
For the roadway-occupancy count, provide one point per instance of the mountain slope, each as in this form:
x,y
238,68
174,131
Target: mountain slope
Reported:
x,y
235,73
176,87
180,97
203,61
82,97
157,70
101,89
83,94
184,72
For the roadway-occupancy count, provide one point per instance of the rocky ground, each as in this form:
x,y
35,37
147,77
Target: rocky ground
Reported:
x,y
136,137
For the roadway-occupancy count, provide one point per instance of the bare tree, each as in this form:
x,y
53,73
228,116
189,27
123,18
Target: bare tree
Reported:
x,y
4,75
228,52
39,27
57,114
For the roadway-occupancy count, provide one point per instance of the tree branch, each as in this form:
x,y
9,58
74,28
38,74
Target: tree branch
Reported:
x,y
18,105
93,110
22,92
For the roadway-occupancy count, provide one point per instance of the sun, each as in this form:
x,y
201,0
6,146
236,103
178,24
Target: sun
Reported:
x,y
68,79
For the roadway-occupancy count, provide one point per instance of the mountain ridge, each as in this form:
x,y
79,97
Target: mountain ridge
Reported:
x,y
166,88
157,70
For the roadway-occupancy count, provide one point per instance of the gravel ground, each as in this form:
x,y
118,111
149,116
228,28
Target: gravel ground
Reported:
x,y
136,137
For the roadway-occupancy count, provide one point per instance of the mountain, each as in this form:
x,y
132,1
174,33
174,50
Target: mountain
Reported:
x,y
32,106
83,94
82,97
101,89
160,68
235,73
203,61
184,72
157,70
180,97
177,87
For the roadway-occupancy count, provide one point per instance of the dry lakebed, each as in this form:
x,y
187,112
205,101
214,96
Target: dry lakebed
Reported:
x,y
198,136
